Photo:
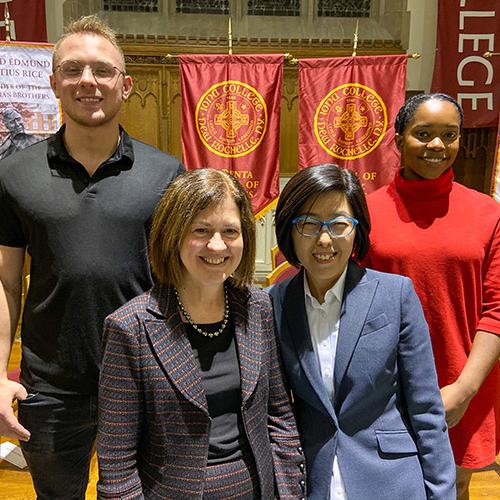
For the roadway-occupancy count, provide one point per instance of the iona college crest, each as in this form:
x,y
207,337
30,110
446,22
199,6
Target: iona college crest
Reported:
x,y
231,118
350,121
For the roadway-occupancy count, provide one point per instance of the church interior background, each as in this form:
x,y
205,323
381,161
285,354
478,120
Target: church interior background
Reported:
x,y
152,32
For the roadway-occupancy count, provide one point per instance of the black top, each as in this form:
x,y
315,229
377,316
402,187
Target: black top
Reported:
x,y
220,373
87,237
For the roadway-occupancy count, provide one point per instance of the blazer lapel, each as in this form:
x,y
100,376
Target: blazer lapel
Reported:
x,y
248,336
297,326
171,346
358,296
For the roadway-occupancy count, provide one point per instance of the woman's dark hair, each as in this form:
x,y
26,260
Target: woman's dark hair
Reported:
x,y
409,108
305,187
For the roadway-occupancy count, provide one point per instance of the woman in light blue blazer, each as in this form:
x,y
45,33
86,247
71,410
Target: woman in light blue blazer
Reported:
x,y
357,353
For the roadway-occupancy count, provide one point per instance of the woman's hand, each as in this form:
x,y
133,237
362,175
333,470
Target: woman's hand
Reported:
x,y
483,356
455,401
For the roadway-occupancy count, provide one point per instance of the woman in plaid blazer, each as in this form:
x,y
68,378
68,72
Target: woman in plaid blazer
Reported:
x,y
192,400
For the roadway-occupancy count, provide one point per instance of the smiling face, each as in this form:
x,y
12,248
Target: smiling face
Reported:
x,y
213,247
86,102
430,141
324,258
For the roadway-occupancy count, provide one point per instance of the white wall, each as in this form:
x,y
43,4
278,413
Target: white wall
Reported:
x,y
422,39
54,19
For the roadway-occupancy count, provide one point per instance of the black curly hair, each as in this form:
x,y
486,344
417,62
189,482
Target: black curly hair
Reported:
x,y
309,184
409,108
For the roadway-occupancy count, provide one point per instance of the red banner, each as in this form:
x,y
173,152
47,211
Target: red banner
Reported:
x,y
466,31
347,111
27,20
231,119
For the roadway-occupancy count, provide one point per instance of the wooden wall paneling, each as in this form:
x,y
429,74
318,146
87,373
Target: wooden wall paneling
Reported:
x,y
491,159
474,164
141,113
289,146
171,94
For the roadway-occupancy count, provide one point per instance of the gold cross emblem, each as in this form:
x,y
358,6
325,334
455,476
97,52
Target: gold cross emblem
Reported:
x,y
231,119
350,121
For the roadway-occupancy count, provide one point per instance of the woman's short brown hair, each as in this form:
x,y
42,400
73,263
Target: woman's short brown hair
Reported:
x,y
184,199
310,183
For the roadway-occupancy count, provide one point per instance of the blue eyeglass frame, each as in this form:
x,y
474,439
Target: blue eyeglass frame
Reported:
x,y
326,223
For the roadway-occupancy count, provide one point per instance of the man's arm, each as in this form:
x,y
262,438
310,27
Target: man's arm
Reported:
x,y
11,274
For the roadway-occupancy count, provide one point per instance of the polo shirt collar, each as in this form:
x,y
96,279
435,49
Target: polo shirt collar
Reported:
x,y
57,153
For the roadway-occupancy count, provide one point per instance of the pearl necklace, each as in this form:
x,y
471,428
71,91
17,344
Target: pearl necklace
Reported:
x,y
195,326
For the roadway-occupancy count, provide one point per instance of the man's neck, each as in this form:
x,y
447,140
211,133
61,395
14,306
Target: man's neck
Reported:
x,y
91,146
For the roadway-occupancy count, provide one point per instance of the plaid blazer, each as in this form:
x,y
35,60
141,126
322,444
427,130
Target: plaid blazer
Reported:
x,y
153,430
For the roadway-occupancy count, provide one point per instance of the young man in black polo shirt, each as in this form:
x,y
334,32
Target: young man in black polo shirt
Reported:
x,y
80,202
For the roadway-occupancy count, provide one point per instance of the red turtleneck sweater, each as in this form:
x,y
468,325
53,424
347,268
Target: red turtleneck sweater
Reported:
x,y
446,238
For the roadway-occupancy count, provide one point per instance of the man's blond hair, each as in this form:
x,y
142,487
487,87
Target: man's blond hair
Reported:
x,y
91,25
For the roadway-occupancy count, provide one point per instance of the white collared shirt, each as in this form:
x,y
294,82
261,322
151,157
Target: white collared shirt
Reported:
x,y
324,321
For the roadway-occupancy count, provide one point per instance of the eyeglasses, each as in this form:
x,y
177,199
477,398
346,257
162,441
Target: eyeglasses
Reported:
x,y
338,227
103,72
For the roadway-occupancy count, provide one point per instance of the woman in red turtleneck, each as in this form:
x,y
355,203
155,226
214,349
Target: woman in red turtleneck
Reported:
x,y
446,238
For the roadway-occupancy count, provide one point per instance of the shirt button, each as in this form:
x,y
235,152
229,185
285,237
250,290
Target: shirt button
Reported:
x,y
327,373
324,344
300,450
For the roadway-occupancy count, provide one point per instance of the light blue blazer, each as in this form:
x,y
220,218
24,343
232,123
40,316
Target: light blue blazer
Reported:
x,y
386,420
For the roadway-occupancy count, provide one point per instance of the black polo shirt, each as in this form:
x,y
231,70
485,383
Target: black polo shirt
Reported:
x,y
87,237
